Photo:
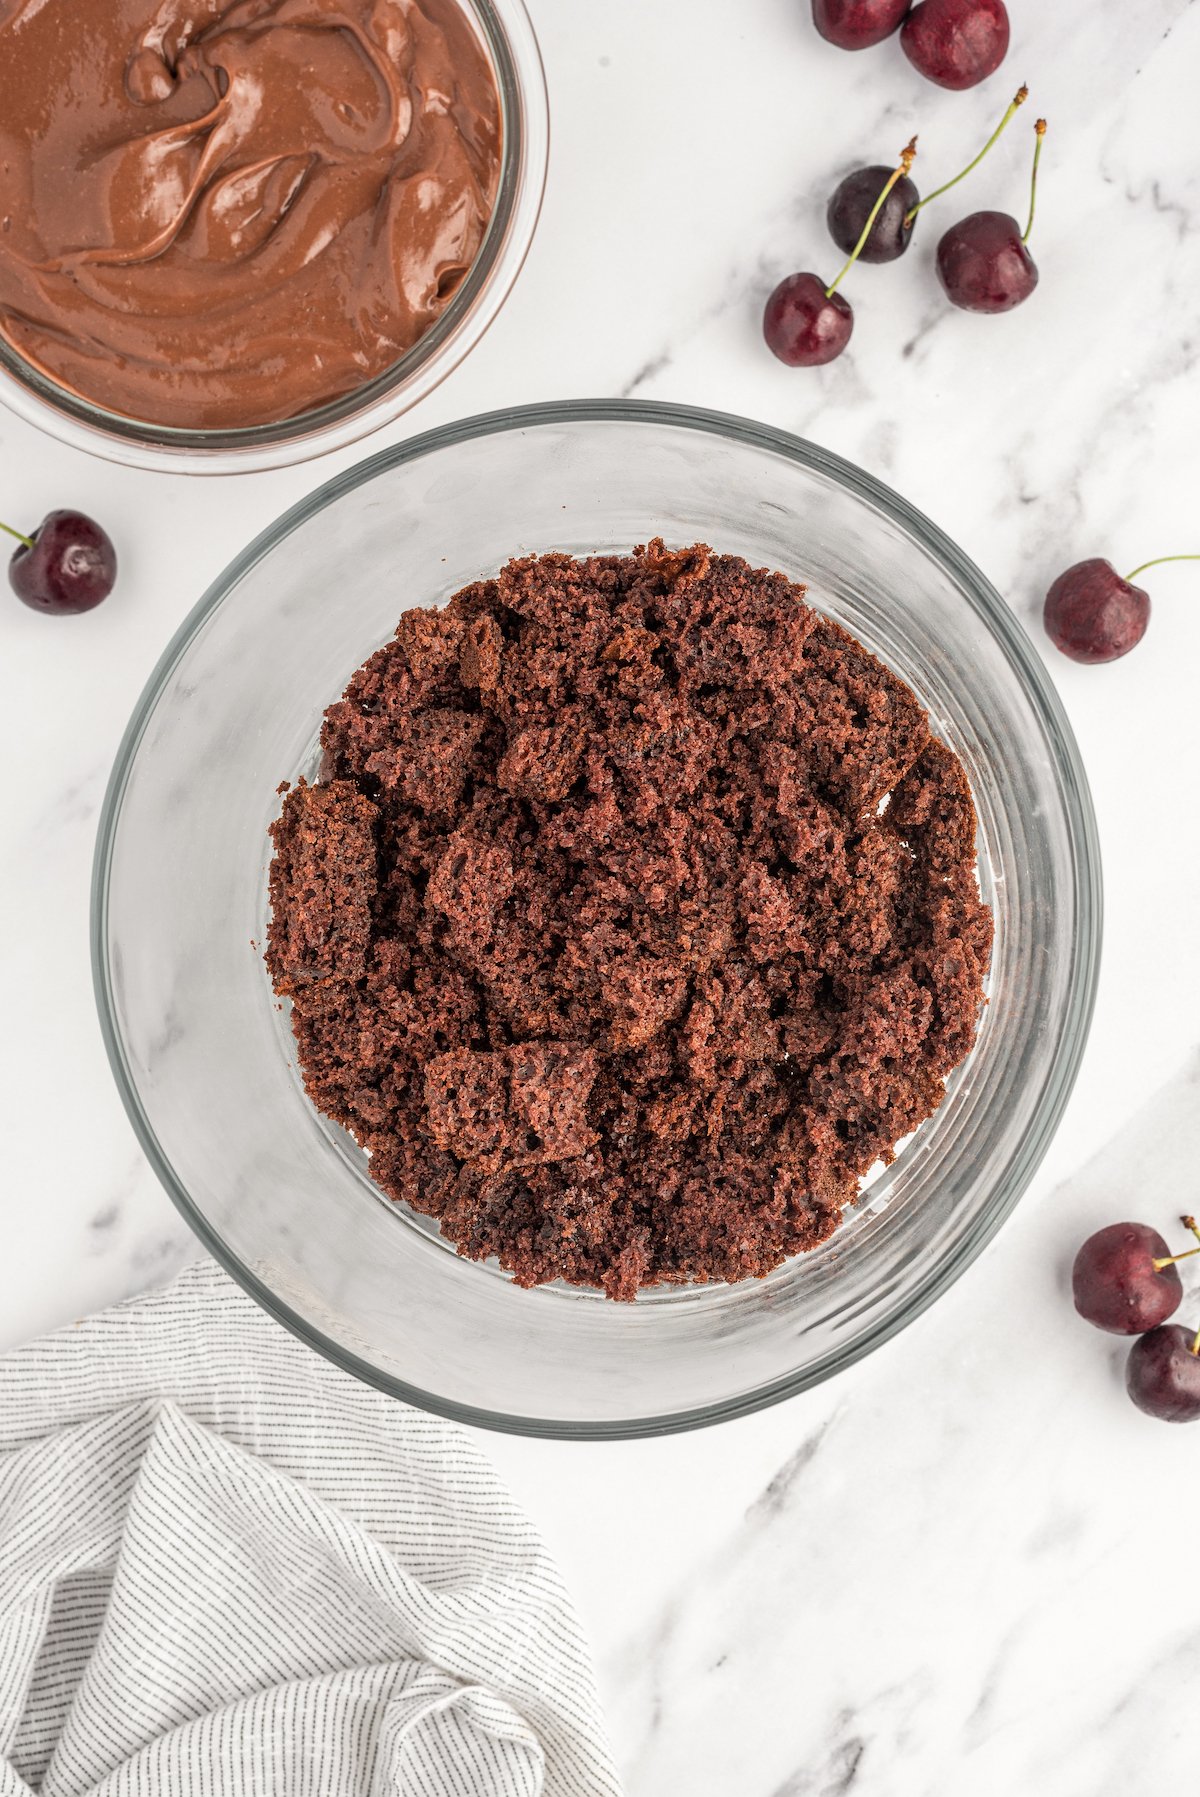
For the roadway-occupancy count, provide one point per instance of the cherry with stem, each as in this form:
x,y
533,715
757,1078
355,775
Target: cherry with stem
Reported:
x,y
1093,614
889,236
983,262
67,565
1124,1280
807,322
907,157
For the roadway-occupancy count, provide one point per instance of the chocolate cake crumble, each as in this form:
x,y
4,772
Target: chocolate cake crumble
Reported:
x,y
633,919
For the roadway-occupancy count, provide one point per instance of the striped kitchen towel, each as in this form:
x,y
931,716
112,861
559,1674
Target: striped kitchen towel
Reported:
x,y
227,1567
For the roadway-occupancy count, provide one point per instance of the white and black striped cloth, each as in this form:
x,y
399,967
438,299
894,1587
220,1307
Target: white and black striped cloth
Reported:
x,y
227,1567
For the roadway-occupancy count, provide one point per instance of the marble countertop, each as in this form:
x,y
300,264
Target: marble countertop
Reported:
x,y
966,1565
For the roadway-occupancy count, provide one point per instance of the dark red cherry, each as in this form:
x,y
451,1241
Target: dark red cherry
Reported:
x,y
850,208
1163,1374
891,199
1124,1279
67,565
984,263
804,325
957,43
857,24
1093,615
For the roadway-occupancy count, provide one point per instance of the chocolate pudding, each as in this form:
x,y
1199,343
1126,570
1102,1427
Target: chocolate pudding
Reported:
x,y
633,919
222,213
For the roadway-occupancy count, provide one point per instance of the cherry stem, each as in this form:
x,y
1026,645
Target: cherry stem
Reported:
x,y
1168,1260
1188,1222
1158,563
20,536
908,156
1040,128
1019,99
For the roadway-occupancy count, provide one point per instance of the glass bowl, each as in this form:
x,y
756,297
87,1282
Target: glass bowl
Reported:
x,y
508,37
204,1057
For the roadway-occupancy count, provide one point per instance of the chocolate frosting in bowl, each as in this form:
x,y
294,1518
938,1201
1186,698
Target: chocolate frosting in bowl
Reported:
x,y
223,213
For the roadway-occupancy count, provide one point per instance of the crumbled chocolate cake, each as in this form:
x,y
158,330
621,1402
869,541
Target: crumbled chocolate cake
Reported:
x,y
634,919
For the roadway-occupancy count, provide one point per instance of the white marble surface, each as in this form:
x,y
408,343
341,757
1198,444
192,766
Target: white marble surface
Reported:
x,y
967,1566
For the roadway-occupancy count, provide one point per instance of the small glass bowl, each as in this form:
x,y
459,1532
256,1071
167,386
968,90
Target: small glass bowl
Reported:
x,y
508,37
204,1057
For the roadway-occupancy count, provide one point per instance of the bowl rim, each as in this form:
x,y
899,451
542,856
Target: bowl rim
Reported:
x,y
1071,779
507,35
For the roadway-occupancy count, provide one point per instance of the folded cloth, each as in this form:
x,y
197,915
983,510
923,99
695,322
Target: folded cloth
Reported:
x,y
227,1567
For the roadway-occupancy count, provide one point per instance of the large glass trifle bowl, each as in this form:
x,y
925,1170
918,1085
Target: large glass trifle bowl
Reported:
x,y
204,1056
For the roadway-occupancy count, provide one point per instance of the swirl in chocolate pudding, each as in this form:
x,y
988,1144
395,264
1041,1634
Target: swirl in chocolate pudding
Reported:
x,y
219,214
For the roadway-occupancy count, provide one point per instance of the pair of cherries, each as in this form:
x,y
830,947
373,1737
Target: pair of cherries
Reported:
x,y
1124,1281
983,262
956,43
